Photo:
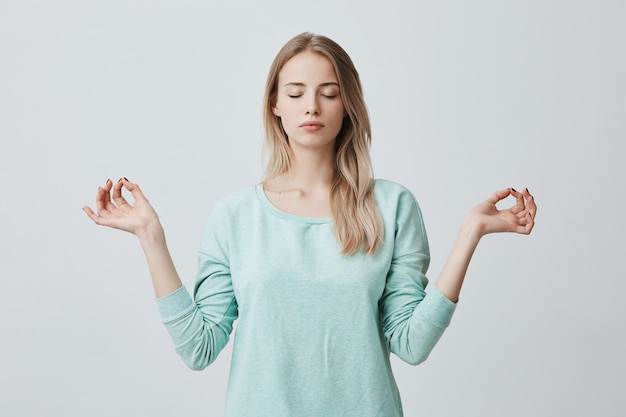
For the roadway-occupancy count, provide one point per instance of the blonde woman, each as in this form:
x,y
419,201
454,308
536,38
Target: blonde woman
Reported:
x,y
323,266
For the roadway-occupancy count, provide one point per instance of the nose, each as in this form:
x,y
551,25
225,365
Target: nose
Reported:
x,y
313,105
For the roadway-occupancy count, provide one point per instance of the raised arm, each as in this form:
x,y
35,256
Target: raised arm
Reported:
x,y
140,219
483,219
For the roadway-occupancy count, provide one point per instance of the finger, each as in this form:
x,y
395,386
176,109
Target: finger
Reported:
x,y
530,203
89,212
524,230
103,199
530,208
500,195
519,201
528,226
134,189
109,206
117,194
93,216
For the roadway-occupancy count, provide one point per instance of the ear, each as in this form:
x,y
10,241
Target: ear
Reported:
x,y
275,110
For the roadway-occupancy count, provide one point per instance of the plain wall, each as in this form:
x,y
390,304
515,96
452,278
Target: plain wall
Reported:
x,y
465,98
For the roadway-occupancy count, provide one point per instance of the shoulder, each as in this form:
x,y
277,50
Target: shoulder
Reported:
x,y
241,196
230,212
232,204
386,187
401,214
392,193
396,203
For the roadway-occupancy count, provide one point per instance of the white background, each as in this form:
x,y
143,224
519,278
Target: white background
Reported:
x,y
465,98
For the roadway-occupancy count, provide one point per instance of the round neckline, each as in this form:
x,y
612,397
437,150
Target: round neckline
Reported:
x,y
283,214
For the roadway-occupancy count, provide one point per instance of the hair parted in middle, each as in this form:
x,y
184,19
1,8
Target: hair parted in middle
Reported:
x,y
358,222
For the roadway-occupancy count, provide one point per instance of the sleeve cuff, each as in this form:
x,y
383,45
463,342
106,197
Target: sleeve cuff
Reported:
x,y
437,308
175,304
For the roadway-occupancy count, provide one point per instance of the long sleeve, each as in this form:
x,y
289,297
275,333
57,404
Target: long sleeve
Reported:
x,y
412,319
200,329
314,327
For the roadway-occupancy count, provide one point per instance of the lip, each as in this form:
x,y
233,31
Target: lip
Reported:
x,y
312,125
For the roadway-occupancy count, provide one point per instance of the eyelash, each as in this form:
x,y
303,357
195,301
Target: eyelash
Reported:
x,y
323,95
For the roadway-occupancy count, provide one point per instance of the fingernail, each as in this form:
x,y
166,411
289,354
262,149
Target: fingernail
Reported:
x,y
119,180
126,179
528,192
108,180
513,189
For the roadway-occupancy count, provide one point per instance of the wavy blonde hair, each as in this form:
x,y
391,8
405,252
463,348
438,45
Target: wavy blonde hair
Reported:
x,y
358,223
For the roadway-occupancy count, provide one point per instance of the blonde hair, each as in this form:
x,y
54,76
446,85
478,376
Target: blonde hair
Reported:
x,y
358,223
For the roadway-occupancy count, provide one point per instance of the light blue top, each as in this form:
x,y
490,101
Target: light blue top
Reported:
x,y
315,327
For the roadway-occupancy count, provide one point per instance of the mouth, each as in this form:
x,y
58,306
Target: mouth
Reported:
x,y
312,126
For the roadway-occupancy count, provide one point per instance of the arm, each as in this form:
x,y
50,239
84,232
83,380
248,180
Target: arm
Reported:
x,y
201,328
481,220
141,220
413,320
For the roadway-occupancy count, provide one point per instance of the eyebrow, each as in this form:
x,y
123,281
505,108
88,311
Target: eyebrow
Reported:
x,y
304,85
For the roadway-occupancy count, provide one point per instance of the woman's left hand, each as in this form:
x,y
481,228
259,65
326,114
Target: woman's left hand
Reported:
x,y
486,218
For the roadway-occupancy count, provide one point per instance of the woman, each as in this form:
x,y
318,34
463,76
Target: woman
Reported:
x,y
323,266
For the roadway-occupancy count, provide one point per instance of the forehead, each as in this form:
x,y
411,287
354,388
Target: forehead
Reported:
x,y
307,67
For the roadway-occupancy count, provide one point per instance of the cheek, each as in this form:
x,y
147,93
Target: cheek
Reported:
x,y
341,113
286,108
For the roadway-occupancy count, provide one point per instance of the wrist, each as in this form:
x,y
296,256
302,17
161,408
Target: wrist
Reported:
x,y
150,234
471,230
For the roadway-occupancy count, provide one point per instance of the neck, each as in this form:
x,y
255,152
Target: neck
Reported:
x,y
310,170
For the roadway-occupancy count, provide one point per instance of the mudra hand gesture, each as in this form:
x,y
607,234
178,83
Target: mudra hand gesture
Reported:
x,y
487,218
114,211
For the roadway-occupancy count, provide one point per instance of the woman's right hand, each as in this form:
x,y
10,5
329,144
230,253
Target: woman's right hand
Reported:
x,y
114,211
